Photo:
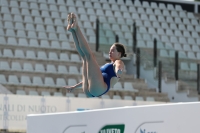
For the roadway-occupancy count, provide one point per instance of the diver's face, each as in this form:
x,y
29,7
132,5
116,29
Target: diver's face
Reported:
x,y
114,54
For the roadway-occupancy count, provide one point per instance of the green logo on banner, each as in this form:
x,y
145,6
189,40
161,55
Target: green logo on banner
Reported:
x,y
113,129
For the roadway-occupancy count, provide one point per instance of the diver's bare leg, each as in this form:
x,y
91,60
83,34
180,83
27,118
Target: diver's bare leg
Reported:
x,y
84,71
96,82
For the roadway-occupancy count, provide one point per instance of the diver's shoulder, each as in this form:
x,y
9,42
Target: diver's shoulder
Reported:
x,y
119,62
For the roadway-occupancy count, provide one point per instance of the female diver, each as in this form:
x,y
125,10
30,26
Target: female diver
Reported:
x,y
96,81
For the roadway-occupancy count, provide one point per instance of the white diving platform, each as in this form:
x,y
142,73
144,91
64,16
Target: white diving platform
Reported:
x,y
164,118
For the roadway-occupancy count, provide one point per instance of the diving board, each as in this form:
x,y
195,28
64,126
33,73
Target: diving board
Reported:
x,y
164,118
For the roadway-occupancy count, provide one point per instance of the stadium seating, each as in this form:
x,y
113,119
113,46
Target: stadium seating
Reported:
x,y
34,41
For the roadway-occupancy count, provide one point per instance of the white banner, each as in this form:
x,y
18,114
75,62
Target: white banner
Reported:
x,y
15,108
168,118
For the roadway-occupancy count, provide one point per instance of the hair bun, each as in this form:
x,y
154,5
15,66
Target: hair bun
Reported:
x,y
125,55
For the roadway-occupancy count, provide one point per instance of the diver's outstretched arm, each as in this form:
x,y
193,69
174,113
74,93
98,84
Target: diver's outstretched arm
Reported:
x,y
70,88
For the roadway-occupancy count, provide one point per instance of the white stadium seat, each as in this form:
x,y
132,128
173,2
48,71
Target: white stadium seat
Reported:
x,y
166,13
41,55
70,94
170,7
157,12
118,86
195,48
58,94
53,56
116,97
139,98
20,92
13,79
4,65
178,8
15,66
73,70
51,68
3,79
150,99
18,18
7,53
40,27
184,66
162,6
75,57
146,4
62,69
37,81
48,81
193,66
39,68
60,82
71,82
45,93
33,5
177,46
81,95
8,25
154,5
64,57
12,41
43,6
33,93
27,67
25,80
129,87
128,98
15,10
30,54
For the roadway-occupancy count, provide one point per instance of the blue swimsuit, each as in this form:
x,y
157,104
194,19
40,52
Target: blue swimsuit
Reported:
x,y
108,72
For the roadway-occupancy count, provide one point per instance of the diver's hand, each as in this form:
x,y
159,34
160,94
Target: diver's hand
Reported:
x,y
119,73
69,88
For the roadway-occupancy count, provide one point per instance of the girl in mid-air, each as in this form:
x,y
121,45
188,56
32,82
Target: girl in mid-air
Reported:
x,y
96,80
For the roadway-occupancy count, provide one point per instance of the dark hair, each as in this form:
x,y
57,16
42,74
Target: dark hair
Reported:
x,y
120,48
